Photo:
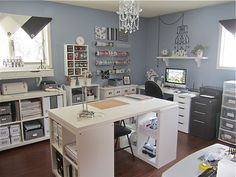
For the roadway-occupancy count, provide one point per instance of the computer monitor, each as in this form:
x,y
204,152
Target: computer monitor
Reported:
x,y
175,77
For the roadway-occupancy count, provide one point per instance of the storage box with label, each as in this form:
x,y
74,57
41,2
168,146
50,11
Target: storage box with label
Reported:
x,y
33,129
4,142
4,132
5,108
15,130
5,118
15,139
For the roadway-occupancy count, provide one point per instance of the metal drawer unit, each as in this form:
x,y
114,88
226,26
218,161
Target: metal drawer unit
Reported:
x,y
227,132
203,118
184,102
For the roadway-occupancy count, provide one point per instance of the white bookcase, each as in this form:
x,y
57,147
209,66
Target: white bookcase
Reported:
x,y
75,95
18,110
227,131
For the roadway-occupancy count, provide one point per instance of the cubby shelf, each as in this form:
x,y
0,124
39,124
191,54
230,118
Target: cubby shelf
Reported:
x,y
21,109
197,59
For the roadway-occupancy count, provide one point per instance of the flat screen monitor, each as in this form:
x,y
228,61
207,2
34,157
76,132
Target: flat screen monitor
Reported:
x,y
175,77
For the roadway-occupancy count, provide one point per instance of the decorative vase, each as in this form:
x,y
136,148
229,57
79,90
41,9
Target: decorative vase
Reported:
x,y
199,53
81,81
88,81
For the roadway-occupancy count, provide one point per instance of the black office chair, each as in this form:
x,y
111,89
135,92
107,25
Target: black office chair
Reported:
x,y
119,131
153,89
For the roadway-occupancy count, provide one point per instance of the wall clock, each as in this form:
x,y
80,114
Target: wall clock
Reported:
x,y
80,40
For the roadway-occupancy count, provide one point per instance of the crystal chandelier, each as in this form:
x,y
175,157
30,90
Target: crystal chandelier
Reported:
x,y
129,15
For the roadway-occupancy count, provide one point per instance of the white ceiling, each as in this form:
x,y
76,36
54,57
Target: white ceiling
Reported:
x,y
150,8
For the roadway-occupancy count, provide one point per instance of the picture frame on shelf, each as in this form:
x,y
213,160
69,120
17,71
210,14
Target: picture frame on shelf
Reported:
x,y
126,80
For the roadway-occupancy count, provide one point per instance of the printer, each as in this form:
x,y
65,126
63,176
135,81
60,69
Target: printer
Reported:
x,y
211,92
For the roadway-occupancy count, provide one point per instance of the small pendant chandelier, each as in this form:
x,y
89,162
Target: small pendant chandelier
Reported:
x,y
129,15
182,39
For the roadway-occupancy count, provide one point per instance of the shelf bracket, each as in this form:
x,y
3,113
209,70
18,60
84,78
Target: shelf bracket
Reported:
x,y
198,61
166,60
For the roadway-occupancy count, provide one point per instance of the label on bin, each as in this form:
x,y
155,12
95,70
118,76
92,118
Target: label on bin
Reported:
x,y
230,114
229,125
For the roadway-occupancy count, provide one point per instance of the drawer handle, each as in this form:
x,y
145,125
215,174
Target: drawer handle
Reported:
x,y
181,123
35,134
4,119
199,121
203,104
181,108
181,102
181,97
3,109
198,112
181,115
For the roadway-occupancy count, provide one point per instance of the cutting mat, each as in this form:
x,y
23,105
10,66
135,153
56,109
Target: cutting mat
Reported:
x,y
106,104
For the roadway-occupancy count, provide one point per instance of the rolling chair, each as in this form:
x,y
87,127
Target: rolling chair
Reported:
x,y
154,90
119,131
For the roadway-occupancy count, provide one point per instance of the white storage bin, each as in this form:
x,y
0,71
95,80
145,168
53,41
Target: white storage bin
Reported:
x,y
228,113
227,136
4,142
15,130
15,139
229,101
228,125
150,127
4,132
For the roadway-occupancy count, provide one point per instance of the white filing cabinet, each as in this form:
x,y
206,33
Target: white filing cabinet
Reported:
x,y
106,92
184,101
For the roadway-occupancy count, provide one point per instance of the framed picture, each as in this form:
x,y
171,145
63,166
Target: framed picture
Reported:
x,y
126,80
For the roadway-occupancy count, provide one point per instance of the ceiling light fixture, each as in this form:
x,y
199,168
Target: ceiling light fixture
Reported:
x,y
129,15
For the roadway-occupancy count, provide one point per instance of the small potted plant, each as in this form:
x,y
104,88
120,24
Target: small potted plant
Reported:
x,y
198,50
71,80
89,78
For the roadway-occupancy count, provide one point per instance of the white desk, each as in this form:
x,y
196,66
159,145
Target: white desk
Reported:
x,y
184,101
167,90
95,137
188,167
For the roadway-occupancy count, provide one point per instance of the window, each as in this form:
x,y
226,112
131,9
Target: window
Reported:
x,y
31,51
226,46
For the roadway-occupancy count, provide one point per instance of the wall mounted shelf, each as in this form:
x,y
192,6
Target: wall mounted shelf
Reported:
x,y
6,73
197,59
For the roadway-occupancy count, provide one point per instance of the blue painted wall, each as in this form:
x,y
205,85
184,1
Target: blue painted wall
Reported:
x,y
69,22
203,27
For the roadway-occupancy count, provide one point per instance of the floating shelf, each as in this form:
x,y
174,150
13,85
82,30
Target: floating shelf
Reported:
x,y
197,59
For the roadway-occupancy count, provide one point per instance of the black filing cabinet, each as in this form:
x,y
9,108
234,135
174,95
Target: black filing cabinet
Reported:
x,y
204,117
